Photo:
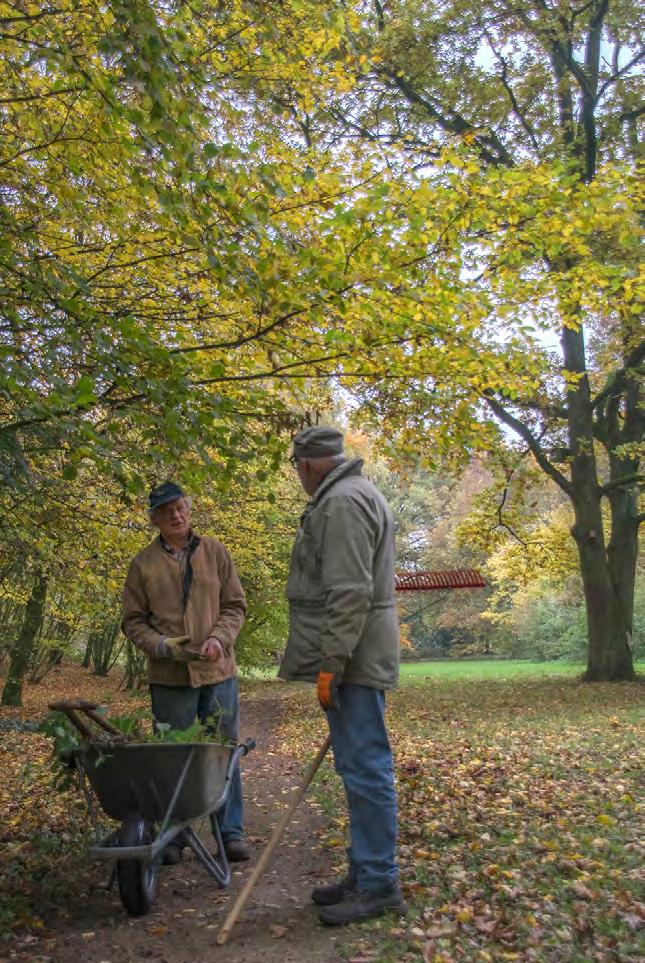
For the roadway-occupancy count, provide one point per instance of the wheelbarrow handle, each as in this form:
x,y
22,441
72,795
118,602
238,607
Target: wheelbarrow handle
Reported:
x,y
91,709
66,704
241,750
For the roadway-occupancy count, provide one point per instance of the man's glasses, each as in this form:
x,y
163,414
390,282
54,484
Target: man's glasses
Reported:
x,y
293,460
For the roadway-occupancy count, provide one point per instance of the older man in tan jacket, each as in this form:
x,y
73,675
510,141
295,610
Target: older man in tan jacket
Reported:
x,y
184,605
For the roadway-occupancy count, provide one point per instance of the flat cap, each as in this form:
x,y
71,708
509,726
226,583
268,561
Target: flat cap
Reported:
x,y
162,494
318,442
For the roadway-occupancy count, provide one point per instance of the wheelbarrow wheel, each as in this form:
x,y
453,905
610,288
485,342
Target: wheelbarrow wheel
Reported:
x,y
137,880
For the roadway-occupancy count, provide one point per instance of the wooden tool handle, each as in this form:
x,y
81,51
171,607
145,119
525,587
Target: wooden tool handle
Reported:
x,y
91,709
238,906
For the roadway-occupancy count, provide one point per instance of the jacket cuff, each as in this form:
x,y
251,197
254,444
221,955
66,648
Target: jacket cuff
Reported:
x,y
149,646
334,664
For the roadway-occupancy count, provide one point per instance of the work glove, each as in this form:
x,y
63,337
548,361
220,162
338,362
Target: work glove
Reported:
x,y
175,648
327,690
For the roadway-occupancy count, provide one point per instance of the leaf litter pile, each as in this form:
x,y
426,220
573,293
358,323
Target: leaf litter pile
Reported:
x,y
520,822
520,819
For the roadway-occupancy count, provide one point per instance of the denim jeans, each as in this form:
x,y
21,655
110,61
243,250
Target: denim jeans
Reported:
x,y
180,706
363,760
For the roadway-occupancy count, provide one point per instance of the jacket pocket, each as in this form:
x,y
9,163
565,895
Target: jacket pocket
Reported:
x,y
302,654
305,572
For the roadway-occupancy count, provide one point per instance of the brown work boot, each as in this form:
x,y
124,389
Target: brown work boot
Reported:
x,y
237,851
364,905
336,892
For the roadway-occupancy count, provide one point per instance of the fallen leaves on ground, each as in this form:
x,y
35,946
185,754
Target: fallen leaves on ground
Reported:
x,y
44,833
519,817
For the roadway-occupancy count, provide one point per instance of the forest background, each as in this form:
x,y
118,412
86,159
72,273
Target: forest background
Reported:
x,y
224,220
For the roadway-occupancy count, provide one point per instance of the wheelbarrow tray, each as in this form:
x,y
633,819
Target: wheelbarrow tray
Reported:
x,y
143,778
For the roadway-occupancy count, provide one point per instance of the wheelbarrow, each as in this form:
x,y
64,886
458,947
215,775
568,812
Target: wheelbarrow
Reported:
x,y
155,791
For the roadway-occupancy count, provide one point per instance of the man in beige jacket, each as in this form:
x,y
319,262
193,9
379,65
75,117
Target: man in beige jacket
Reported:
x,y
184,606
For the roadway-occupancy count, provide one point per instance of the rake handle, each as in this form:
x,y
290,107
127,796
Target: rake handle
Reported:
x,y
267,853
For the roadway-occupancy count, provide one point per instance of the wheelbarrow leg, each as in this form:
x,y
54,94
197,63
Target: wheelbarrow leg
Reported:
x,y
218,866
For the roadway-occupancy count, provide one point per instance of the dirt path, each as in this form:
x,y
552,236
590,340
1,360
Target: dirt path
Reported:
x,y
279,924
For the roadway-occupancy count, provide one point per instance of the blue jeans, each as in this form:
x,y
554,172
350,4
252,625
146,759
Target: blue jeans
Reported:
x,y
180,706
363,760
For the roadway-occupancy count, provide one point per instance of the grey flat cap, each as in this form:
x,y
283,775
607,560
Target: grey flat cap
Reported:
x,y
318,442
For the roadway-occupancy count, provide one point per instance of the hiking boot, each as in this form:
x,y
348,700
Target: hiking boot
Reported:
x,y
363,905
336,892
237,851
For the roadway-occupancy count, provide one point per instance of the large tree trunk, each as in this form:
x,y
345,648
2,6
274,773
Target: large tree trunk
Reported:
x,y
609,604
26,642
609,612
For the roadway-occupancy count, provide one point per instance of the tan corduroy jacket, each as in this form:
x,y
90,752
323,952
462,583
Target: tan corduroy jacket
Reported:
x,y
153,609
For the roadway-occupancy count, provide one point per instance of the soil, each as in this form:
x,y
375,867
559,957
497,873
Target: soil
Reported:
x,y
278,925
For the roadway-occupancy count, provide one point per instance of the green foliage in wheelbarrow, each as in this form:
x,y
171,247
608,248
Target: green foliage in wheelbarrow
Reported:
x,y
66,738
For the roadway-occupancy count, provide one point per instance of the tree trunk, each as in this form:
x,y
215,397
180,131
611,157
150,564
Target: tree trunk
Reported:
x,y
23,649
103,643
87,658
608,620
624,470
609,654
135,667
622,555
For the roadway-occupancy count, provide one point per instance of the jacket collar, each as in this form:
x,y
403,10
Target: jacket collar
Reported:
x,y
192,542
351,467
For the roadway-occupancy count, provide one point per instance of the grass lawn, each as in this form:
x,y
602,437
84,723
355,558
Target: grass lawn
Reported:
x,y
486,669
452,669
520,815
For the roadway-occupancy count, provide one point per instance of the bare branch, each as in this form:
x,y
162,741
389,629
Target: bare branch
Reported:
x,y
538,453
618,73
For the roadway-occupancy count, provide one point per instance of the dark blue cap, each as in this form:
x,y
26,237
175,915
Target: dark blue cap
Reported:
x,y
162,494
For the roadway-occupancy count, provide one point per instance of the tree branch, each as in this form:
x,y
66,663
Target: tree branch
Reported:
x,y
490,147
508,419
511,95
624,481
615,384
621,73
51,93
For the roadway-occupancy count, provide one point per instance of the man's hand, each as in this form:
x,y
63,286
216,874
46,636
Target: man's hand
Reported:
x,y
212,649
326,690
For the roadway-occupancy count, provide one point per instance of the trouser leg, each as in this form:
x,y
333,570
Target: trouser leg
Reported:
x,y
219,705
363,759
174,705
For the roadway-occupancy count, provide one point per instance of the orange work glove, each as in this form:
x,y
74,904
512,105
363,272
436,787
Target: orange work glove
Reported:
x,y
326,687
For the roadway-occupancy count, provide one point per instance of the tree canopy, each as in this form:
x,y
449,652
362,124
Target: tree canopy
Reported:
x,y
212,214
